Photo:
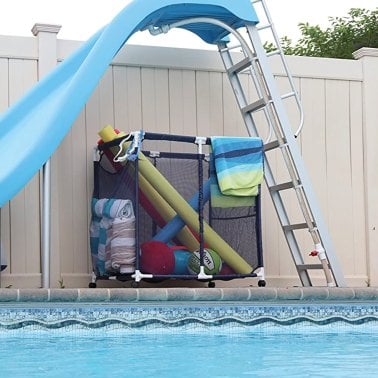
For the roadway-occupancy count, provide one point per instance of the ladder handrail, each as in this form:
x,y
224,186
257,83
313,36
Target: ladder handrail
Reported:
x,y
245,48
165,29
244,45
281,54
196,20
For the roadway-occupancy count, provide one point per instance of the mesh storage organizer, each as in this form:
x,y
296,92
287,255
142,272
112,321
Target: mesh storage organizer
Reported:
x,y
156,214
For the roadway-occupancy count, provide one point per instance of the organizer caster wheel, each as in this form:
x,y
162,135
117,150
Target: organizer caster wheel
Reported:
x,y
211,284
134,284
261,283
92,285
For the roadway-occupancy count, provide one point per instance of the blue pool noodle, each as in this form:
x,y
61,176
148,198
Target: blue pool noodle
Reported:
x,y
170,230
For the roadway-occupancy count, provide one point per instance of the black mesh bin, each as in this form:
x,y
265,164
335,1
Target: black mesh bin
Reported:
x,y
178,232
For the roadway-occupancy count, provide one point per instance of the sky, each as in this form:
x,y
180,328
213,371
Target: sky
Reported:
x,y
82,18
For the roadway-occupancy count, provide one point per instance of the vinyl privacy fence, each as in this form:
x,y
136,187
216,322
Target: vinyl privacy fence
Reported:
x,y
182,91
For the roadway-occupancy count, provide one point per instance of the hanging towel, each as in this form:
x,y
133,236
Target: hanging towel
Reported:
x,y
238,165
218,199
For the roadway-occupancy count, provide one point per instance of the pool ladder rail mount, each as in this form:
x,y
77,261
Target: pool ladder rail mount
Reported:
x,y
256,64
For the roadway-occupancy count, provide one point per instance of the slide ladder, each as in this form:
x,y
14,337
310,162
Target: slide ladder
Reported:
x,y
268,105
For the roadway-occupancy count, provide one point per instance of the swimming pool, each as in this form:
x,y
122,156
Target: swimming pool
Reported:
x,y
183,339
204,354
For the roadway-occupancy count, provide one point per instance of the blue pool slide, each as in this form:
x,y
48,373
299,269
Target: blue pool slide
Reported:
x,y
32,129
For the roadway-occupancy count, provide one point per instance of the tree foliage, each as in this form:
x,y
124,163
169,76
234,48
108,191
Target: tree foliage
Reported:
x,y
344,36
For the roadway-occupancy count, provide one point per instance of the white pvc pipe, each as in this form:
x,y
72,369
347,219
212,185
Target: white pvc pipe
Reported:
x,y
1,248
46,228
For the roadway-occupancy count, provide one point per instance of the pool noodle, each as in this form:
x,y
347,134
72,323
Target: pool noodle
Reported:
x,y
152,212
190,217
167,213
106,132
176,223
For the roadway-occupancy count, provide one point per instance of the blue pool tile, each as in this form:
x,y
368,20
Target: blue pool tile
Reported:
x,y
139,316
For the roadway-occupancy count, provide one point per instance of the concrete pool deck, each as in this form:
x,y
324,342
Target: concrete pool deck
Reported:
x,y
131,295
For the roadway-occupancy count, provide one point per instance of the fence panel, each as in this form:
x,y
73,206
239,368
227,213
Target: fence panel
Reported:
x,y
189,94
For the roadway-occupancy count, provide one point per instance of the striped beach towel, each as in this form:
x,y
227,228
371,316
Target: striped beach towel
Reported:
x,y
122,244
238,164
105,212
220,200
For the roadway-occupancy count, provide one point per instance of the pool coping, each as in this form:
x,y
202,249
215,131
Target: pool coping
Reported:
x,y
179,294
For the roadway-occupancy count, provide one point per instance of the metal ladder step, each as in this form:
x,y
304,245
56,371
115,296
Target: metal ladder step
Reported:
x,y
230,48
292,227
240,66
254,106
272,145
309,266
263,27
283,186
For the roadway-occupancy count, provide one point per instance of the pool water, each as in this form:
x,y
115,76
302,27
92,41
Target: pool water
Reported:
x,y
271,352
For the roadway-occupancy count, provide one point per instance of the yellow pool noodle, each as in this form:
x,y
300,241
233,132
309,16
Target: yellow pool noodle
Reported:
x,y
190,217
107,133
167,213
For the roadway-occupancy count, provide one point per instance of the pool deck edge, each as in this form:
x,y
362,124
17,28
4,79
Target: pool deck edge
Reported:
x,y
249,294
